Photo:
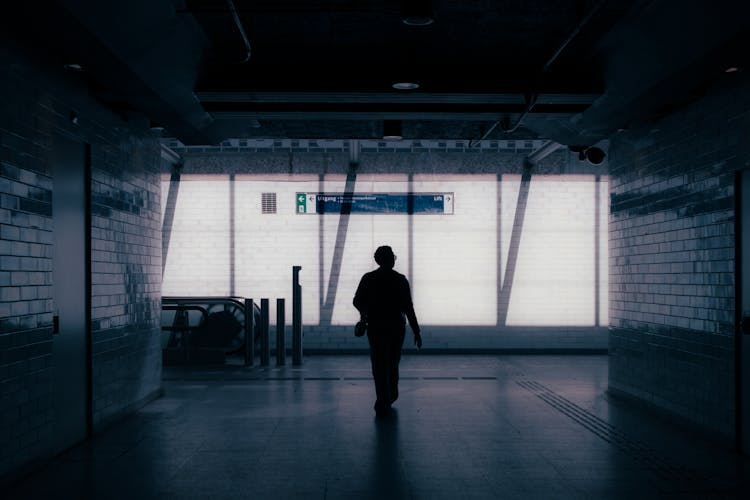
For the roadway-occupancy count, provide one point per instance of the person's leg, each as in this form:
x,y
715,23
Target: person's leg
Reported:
x,y
379,360
394,358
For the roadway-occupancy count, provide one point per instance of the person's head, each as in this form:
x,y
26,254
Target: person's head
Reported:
x,y
384,257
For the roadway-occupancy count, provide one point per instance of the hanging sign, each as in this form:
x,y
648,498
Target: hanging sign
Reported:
x,y
375,203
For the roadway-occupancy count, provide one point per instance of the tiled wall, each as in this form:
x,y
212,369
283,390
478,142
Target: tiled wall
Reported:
x,y
457,263
672,256
125,274
35,110
26,238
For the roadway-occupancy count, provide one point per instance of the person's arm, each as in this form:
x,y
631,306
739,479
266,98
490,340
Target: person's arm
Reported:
x,y
360,301
411,316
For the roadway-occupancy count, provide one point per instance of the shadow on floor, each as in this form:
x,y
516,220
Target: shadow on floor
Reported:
x,y
464,427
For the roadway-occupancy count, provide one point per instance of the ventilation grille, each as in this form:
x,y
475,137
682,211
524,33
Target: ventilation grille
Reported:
x,y
268,203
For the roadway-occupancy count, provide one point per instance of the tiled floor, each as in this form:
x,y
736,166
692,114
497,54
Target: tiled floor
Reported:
x,y
506,427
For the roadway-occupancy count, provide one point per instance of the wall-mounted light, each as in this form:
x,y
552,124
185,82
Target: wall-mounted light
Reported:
x,y
405,86
417,12
392,130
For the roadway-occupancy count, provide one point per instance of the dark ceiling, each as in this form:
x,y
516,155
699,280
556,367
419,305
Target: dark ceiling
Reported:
x,y
572,71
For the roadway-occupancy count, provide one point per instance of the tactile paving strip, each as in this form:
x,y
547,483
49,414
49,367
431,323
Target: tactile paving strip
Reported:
x,y
652,460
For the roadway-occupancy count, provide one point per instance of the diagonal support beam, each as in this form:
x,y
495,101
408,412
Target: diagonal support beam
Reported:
x,y
515,243
326,313
166,225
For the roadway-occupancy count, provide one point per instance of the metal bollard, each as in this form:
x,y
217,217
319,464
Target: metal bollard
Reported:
x,y
249,332
265,345
296,317
280,326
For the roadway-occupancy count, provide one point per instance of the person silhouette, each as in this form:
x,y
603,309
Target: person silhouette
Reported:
x,y
383,299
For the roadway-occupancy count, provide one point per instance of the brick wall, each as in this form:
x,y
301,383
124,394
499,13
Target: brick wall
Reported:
x,y
457,264
671,236
126,250
26,237
125,274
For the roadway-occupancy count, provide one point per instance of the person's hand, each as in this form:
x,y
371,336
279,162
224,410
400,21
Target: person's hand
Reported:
x,y
418,340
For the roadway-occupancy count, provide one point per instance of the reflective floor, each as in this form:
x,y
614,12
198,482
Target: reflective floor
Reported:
x,y
464,427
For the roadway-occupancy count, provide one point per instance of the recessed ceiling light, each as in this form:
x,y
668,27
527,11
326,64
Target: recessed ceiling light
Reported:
x,y
405,85
732,69
416,12
417,20
392,130
73,67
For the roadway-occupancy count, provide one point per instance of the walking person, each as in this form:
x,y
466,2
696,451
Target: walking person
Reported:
x,y
383,299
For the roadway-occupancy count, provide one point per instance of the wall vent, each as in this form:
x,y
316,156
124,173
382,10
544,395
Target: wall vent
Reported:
x,y
268,203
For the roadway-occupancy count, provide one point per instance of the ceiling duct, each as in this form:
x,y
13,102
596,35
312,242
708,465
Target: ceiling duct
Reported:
x,y
531,99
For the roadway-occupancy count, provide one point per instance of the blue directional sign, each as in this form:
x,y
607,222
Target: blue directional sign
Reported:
x,y
375,203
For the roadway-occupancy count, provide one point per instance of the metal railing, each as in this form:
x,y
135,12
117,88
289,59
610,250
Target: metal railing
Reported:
x,y
221,326
231,325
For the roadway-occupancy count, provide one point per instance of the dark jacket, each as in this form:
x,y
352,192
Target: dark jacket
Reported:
x,y
383,298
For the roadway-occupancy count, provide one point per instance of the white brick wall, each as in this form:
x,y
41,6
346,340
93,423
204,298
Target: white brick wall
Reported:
x,y
455,257
455,264
199,245
556,269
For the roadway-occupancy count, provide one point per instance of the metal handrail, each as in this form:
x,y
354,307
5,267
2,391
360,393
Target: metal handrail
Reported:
x,y
176,303
182,307
204,300
183,328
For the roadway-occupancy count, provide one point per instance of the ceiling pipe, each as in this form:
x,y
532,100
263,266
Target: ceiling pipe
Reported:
x,y
535,94
547,149
485,135
238,23
532,98
170,156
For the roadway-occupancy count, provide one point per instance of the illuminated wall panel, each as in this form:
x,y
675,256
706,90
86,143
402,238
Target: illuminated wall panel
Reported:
x,y
198,258
268,245
364,233
554,272
455,257
548,233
